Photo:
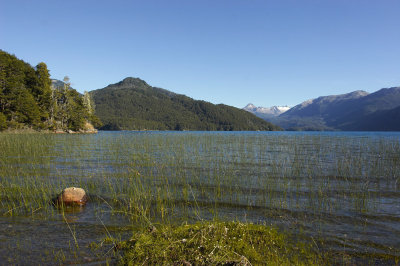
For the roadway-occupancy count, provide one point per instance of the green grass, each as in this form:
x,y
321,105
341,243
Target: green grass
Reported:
x,y
215,243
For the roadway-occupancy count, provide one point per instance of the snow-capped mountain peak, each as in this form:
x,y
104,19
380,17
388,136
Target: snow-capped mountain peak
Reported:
x,y
249,107
266,112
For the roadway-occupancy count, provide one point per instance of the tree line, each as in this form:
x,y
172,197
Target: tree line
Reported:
x,y
29,100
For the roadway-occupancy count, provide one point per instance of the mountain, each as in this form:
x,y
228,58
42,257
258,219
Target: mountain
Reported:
x,y
58,84
132,104
324,105
266,112
355,111
386,120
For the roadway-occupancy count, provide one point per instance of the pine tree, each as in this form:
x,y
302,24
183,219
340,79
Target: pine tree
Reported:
x,y
88,102
25,109
18,82
3,122
77,113
62,104
53,108
44,92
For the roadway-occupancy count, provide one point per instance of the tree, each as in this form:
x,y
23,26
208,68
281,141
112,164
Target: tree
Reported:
x,y
18,82
24,107
44,92
90,108
77,114
11,76
62,102
88,102
3,122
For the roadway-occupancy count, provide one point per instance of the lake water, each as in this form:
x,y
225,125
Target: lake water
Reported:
x,y
338,190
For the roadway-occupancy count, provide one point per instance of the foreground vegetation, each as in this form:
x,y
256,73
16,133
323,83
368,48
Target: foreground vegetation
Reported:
x,y
337,194
215,243
29,101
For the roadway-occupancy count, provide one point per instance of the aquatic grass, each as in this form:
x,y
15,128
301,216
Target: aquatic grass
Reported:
x,y
170,178
280,175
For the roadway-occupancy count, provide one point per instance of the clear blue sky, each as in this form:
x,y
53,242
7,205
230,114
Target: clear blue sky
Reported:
x,y
223,51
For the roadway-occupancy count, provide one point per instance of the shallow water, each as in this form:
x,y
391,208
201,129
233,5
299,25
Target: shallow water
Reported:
x,y
340,190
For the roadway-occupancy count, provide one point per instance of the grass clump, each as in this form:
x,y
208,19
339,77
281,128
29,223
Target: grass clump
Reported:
x,y
215,243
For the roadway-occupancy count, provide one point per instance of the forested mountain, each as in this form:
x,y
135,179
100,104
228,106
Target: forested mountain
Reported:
x,y
355,111
132,104
28,99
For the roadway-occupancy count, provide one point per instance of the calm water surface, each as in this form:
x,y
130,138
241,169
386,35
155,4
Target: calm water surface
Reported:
x,y
340,190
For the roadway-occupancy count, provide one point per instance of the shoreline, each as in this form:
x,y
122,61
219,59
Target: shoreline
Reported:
x,y
33,131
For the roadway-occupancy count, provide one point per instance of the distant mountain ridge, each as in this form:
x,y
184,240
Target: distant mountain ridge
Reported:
x,y
354,111
318,105
132,104
266,112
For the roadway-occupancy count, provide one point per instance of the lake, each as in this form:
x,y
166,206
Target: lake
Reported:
x,y
337,190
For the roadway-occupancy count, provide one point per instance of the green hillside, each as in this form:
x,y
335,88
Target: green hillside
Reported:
x,y
132,104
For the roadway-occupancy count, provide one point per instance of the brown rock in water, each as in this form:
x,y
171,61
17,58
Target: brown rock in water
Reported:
x,y
73,196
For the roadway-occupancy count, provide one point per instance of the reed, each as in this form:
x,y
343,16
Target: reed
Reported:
x,y
296,180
